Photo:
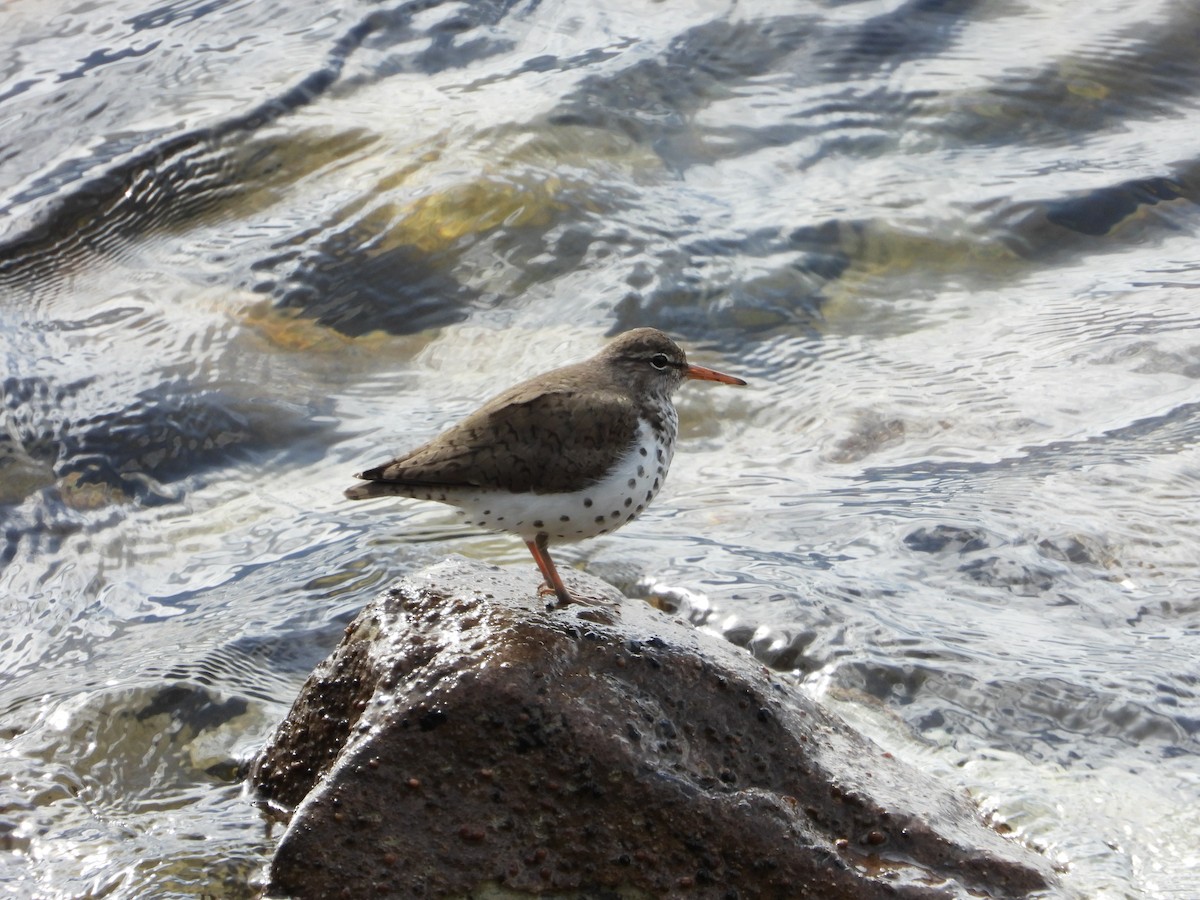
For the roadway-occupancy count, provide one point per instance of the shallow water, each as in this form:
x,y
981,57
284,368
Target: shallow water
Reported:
x,y
249,248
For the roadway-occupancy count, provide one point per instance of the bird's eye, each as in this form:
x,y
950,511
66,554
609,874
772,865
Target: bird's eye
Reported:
x,y
660,361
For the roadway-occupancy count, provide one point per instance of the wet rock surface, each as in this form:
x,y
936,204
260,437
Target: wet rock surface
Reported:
x,y
463,738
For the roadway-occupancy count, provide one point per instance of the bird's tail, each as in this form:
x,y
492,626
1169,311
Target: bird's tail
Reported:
x,y
368,490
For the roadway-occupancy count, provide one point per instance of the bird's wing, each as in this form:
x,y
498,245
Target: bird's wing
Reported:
x,y
530,441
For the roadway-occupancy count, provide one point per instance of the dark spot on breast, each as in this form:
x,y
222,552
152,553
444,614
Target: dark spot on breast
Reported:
x,y
631,517
641,471
628,501
660,454
599,519
649,496
564,518
641,506
616,514
538,523
633,482
642,450
587,501
487,512
656,484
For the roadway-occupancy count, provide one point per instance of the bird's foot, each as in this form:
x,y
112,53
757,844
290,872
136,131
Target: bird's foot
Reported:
x,y
588,607
561,601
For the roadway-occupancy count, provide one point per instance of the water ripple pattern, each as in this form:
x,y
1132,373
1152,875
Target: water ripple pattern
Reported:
x,y
248,248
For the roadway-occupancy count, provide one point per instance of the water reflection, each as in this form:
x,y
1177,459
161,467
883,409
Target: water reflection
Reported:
x,y
247,247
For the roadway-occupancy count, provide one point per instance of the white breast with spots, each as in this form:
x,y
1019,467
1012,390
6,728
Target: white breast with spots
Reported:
x,y
608,504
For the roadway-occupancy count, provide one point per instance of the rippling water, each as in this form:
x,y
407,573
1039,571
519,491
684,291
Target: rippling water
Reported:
x,y
246,248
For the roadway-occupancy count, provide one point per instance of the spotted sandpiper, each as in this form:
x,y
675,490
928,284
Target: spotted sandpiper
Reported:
x,y
570,454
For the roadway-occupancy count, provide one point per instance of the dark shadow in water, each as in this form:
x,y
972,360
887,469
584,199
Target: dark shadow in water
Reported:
x,y
159,186
1098,212
914,30
343,285
1159,435
162,436
653,101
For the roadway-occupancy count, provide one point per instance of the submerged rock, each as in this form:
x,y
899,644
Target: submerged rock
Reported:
x,y
463,738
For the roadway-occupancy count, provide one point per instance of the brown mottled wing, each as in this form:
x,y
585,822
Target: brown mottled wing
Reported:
x,y
531,439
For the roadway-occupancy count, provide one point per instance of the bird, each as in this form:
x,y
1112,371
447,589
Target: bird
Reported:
x,y
567,455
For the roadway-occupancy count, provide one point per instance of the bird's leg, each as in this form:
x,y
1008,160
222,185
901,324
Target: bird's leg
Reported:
x,y
541,556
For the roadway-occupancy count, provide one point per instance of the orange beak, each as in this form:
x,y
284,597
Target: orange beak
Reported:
x,y
702,374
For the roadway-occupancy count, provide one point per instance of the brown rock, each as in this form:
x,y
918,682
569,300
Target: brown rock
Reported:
x,y
464,737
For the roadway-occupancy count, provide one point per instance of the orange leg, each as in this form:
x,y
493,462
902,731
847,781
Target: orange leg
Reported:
x,y
545,565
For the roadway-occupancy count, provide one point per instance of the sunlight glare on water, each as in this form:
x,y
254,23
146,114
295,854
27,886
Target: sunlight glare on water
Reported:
x,y
249,249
